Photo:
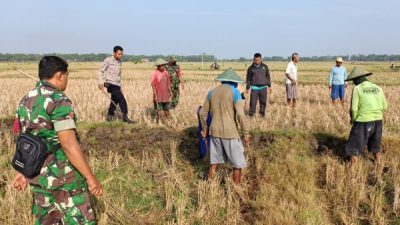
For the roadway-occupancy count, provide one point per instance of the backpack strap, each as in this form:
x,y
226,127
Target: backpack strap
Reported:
x,y
29,129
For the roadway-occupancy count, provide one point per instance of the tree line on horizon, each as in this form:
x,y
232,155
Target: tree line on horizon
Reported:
x,y
8,57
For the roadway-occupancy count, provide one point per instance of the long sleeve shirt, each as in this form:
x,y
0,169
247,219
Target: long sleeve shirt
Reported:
x,y
258,76
337,76
110,71
227,111
368,103
174,70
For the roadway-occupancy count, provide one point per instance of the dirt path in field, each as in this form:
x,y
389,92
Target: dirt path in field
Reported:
x,y
126,139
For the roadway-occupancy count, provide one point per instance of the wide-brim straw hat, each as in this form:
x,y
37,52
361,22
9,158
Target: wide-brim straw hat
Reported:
x,y
339,59
357,72
160,62
230,75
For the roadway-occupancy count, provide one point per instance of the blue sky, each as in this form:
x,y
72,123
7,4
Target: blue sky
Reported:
x,y
227,29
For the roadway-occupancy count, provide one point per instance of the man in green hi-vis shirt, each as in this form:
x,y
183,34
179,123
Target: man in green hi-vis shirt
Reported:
x,y
367,106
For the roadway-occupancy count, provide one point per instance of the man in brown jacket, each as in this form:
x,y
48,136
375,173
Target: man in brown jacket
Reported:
x,y
227,110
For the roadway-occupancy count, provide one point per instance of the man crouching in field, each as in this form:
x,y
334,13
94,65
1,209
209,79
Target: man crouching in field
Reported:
x,y
225,104
367,105
61,190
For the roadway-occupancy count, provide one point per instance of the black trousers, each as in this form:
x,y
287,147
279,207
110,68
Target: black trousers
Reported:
x,y
118,98
364,134
256,96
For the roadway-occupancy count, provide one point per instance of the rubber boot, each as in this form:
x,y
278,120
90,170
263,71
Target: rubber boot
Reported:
x,y
109,118
127,120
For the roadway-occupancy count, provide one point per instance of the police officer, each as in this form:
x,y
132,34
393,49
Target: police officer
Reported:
x,y
109,76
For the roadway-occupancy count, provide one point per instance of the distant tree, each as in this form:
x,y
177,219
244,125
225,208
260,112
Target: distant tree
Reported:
x,y
7,57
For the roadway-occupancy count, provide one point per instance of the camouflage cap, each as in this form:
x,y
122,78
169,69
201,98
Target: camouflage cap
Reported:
x,y
231,76
357,72
160,62
172,59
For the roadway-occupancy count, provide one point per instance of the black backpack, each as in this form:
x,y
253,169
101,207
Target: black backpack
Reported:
x,y
30,153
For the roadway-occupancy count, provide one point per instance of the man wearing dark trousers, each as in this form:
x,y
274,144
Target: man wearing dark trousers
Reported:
x,y
258,81
109,76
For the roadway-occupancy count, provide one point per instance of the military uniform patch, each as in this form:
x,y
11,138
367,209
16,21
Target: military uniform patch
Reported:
x,y
42,111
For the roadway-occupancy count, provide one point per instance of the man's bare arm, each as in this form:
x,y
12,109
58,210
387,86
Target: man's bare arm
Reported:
x,y
75,155
289,77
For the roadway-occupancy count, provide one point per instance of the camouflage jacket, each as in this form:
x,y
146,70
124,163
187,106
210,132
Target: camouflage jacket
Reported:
x,y
174,73
44,111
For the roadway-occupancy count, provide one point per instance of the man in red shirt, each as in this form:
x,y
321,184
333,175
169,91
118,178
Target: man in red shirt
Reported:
x,y
162,92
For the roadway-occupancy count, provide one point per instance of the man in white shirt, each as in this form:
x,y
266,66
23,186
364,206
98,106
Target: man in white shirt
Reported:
x,y
291,80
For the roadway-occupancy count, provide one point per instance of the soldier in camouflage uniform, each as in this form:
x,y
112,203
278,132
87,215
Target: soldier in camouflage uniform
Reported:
x,y
60,192
175,75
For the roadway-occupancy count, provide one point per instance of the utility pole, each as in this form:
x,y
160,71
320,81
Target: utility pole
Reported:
x,y
202,61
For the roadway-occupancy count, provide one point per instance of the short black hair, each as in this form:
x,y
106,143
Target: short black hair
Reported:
x,y
257,55
50,65
118,48
294,54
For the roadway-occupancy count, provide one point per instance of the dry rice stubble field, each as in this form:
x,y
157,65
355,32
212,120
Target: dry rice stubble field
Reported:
x,y
296,172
